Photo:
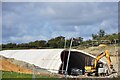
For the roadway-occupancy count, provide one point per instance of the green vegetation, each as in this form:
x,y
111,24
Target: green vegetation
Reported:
x,y
101,36
6,75
58,42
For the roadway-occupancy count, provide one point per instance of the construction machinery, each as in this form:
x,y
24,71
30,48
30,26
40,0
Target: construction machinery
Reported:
x,y
98,68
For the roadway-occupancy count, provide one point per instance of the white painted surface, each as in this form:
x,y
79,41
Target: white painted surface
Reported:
x,y
44,58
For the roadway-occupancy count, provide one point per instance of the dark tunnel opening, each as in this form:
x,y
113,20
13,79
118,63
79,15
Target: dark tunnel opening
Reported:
x,y
77,60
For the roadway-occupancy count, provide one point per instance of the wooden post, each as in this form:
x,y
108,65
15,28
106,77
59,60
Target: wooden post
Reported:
x,y
116,52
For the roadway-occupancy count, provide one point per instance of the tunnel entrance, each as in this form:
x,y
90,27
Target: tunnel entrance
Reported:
x,y
77,60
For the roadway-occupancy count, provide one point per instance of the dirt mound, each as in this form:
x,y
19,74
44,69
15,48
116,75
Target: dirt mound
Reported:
x,y
8,66
97,50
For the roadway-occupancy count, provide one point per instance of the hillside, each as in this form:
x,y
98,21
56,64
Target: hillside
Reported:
x,y
95,50
10,64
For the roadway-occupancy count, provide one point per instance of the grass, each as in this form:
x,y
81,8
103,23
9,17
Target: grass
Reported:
x,y
6,75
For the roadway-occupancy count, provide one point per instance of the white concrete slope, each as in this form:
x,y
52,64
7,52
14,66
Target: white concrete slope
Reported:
x,y
44,58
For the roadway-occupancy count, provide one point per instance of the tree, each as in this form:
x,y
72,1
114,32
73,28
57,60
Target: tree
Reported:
x,y
37,44
11,45
95,37
23,46
101,33
57,42
77,41
52,43
42,43
80,39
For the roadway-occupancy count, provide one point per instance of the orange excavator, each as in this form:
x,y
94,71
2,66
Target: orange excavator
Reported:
x,y
97,65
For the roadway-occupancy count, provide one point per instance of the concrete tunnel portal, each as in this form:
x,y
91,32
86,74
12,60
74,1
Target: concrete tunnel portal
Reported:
x,y
76,60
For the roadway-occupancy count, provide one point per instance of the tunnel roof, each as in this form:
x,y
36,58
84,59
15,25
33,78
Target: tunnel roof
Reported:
x,y
44,58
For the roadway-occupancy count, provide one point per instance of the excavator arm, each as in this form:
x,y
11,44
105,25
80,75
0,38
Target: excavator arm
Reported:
x,y
106,54
92,69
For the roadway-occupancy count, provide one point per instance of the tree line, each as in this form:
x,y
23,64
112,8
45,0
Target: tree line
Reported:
x,y
101,36
59,42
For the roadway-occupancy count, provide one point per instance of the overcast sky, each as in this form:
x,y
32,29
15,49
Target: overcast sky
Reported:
x,y
30,21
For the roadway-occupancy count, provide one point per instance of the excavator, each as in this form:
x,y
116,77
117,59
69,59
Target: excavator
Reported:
x,y
98,65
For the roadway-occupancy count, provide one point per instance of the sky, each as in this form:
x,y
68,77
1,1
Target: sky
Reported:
x,y
29,21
